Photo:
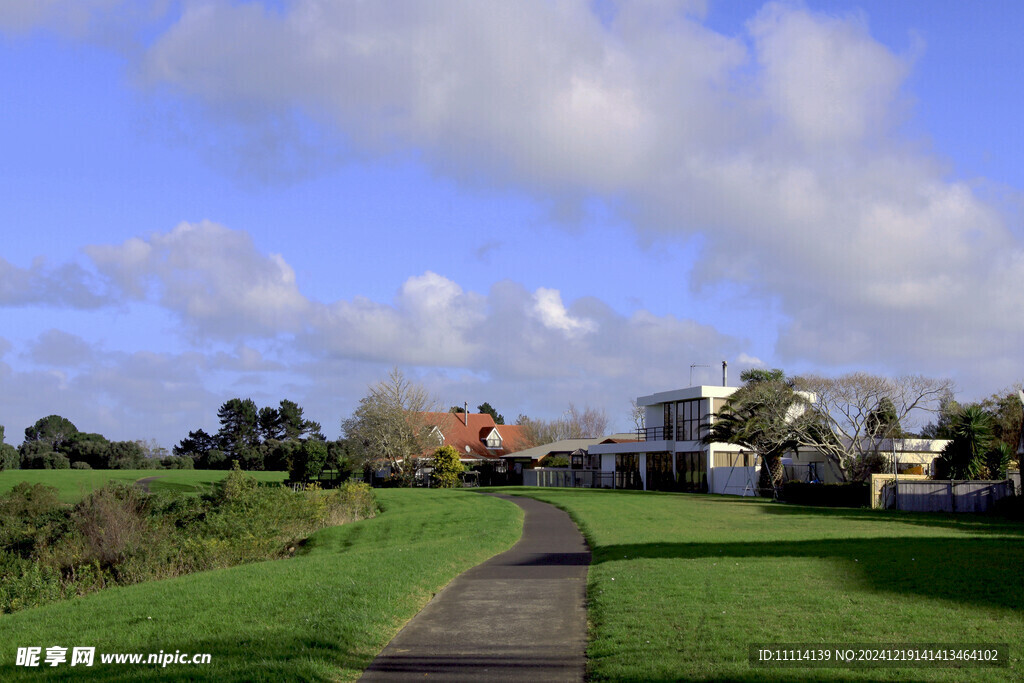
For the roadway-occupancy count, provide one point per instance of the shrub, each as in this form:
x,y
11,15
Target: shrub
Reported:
x,y
357,500
26,583
447,468
9,458
555,461
119,535
110,523
80,465
47,460
177,462
31,518
850,494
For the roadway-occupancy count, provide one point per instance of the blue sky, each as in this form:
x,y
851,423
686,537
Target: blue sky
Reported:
x,y
524,203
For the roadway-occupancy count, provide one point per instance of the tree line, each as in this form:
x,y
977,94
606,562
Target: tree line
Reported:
x,y
54,442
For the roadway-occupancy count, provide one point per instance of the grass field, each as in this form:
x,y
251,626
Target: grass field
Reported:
x,y
72,485
321,616
681,585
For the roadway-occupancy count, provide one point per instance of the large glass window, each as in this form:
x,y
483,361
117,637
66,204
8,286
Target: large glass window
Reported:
x,y
659,472
627,471
692,472
688,420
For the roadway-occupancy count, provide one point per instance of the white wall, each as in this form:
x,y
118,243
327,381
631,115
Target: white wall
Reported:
x,y
734,481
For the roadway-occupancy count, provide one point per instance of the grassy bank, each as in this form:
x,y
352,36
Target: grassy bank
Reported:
x,y
73,485
320,616
681,585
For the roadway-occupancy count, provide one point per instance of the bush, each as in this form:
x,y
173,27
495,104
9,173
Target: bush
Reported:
x,y
846,495
111,524
31,518
555,461
357,500
80,465
9,458
45,461
447,468
177,462
119,535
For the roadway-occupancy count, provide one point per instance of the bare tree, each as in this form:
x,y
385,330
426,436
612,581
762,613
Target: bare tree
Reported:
x,y
638,414
850,418
588,423
393,423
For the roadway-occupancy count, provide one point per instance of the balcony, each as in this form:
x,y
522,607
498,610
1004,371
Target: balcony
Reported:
x,y
679,433
659,434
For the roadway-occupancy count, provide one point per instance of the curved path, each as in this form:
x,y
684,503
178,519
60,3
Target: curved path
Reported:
x,y
146,481
519,616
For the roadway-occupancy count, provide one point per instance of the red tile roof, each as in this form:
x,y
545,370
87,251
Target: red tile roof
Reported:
x,y
461,431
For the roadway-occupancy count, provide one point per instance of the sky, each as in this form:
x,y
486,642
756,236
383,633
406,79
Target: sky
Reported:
x,y
529,203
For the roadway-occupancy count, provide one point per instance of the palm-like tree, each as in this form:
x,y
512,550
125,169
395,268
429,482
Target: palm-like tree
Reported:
x,y
964,456
760,416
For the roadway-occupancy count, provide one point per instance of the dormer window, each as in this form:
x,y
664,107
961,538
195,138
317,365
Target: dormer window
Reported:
x,y
493,440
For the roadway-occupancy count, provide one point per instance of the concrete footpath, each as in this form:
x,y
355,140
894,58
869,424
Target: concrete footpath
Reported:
x,y
519,616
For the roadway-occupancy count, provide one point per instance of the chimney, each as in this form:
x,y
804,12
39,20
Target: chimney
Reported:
x,y
465,412
725,374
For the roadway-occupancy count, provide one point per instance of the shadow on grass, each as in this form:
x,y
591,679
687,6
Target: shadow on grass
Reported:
x,y
970,523
279,657
967,570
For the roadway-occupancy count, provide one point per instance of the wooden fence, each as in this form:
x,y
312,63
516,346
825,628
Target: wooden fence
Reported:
x,y
943,495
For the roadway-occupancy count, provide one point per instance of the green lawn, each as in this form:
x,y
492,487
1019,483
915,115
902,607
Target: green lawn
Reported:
x,y
72,485
681,585
321,616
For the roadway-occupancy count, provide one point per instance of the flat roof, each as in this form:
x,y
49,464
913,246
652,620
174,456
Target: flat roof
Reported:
x,y
700,391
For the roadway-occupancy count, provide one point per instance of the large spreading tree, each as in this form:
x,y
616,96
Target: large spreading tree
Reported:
x,y
856,420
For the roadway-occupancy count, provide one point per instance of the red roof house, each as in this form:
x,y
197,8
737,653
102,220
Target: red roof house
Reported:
x,y
475,435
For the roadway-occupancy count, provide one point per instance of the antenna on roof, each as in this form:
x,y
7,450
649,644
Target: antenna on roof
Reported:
x,y
696,365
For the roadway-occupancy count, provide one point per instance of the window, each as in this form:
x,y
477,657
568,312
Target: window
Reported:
x,y
688,420
734,459
691,472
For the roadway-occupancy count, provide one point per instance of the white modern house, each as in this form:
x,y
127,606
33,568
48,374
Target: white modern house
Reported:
x,y
669,456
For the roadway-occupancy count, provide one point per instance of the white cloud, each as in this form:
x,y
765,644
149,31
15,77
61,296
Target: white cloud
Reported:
x,y
67,285
780,146
782,151
212,276
549,310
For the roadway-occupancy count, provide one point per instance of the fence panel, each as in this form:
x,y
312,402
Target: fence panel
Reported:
x,y
943,495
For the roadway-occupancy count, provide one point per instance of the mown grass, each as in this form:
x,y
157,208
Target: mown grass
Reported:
x,y
681,585
321,616
73,485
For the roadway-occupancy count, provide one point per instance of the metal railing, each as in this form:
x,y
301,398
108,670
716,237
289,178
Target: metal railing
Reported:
x,y
587,479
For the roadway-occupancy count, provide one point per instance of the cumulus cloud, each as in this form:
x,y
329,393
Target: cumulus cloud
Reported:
x,y
124,396
501,341
56,348
66,285
780,145
213,277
